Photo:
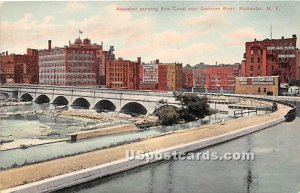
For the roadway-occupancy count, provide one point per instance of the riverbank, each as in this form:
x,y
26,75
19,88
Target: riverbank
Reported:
x,y
17,176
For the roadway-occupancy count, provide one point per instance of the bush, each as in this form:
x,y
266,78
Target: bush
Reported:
x,y
167,115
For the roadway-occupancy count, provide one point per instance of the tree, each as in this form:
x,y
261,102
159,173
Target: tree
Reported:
x,y
193,107
168,115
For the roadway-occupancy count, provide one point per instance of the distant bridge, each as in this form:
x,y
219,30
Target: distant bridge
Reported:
x,y
128,101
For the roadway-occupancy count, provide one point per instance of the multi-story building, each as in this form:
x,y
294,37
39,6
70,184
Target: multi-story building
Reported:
x,y
174,76
123,74
73,65
298,64
264,85
17,68
162,77
188,77
199,73
221,77
103,58
149,76
272,57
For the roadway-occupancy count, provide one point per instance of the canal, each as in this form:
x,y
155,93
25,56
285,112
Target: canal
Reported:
x,y
276,169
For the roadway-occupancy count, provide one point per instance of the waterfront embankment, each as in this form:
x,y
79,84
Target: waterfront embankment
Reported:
x,y
31,173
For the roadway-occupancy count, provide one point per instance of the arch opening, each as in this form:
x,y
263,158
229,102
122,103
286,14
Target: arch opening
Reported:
x,y
134,108
4,95
26,97
104,106
60,100
81,103
42,99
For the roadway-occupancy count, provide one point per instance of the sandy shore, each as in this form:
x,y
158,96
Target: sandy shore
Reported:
x,y
17,176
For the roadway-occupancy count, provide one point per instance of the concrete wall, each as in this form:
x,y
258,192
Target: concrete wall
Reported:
x,y
81,176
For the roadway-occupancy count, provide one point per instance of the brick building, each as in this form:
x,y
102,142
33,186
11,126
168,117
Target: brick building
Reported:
x,y
162,77
149,76
188,77
17,68
73,65
123,74
103,58
199,73
272,57
298,64
221,77
174,76
265,85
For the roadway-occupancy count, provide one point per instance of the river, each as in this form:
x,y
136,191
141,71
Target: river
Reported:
x,y
276,169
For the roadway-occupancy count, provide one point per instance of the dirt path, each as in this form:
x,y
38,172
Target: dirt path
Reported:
x,y
17,176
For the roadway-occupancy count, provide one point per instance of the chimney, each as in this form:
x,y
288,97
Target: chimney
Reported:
x,y
294,36
6,53
157,61
49,44
282,37
255,39
139,60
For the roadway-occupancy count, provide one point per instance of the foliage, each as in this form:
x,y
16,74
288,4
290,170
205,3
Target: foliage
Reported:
x,y
167,115
193,107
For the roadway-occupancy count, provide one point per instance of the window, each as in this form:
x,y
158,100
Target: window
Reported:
x,y
258,89
265,89
251,68
258,52
258,60
251,52
252,60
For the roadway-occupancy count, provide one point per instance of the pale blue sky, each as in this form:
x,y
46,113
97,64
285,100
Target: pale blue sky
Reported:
x,y
172,36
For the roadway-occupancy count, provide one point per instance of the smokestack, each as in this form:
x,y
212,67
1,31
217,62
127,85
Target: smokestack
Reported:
x,y
139,60
6,53
49,44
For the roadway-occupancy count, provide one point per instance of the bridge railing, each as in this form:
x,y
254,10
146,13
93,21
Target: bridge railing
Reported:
x,y
290,116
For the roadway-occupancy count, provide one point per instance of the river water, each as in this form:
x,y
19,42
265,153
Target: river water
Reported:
x,y
276,168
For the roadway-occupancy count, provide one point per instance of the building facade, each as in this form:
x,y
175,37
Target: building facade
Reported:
x,y
199,73
188,77
272,57
221,77
17,68
149,76
174,76
123,74
265,85
73,65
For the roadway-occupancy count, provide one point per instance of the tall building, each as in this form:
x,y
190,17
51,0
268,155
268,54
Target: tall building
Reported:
x,y
199,73
123,74
17,68
221,76
73,65
298,64
272,57
103,58
162,77
188,77
149,76
174,76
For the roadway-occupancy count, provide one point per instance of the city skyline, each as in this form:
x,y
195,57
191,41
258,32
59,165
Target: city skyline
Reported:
x,y
188,37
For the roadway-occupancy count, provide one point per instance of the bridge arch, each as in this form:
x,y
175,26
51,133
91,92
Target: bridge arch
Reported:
x,y
134,108
105,105
81,103
4,94
42,99
60,100
26,97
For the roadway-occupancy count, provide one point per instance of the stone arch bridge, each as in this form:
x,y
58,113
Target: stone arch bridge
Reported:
x,y
128,101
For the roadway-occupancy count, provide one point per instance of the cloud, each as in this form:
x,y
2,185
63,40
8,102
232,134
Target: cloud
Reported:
x,y
206,21
74,6
34,32
240,36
